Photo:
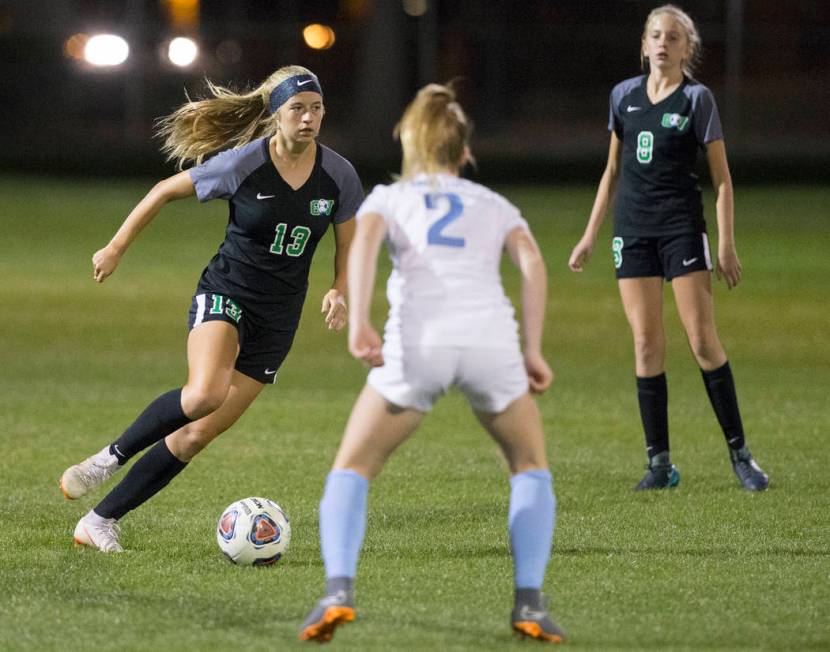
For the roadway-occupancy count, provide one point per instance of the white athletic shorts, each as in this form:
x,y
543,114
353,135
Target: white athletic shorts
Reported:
x,y
415,377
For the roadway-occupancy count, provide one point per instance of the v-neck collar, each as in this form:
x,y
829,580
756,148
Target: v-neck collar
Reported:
x,y
651,104
317,156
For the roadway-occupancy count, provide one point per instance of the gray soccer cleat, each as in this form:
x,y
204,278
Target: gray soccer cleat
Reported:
x,y
77,480
534,621
98,532
661,474
750,475
659,477
333,610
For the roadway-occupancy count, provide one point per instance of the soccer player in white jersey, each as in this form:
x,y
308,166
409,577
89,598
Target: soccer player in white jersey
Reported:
x,y
450,323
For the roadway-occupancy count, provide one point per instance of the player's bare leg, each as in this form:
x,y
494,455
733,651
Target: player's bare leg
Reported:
x,y
695,305
518,432
642,300
189,440
375,429
212,348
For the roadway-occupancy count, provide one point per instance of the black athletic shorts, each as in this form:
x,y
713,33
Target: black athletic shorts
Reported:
x,y
262,349
667,256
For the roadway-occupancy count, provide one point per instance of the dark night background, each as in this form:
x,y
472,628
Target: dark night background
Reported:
x,y
535,79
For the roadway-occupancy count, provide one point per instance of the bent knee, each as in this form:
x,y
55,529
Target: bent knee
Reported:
x,y
706,348
198,402
189,442
649,349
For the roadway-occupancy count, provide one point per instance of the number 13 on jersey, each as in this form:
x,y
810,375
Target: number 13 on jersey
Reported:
x,y
454,207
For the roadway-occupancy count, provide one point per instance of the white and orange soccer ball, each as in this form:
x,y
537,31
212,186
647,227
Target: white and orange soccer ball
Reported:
x,y
253,532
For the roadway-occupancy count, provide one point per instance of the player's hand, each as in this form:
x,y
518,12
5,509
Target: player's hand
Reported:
x,y
539,374
581,253
334,306
104,262
365,344
729,267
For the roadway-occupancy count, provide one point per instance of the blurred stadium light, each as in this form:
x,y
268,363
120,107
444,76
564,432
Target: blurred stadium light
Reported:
x,y
183,14
535,75
318,37
415,8
106,50
182,51
73,47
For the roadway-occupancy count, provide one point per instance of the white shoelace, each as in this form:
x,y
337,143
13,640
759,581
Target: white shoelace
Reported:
x,y
107,531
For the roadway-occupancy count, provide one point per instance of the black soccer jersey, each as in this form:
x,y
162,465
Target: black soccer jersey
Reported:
x,y
273,230
658,192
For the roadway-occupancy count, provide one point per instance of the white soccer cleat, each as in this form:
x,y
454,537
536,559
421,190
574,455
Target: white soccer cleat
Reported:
x,y
77,480
98,532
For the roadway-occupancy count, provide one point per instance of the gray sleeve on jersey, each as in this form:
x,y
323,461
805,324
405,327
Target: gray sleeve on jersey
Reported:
x,y
220,176
351,190
617,93
614,124
706,119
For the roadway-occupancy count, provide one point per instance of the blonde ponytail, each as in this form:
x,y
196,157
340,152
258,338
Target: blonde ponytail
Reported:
x,y
226,120
434,132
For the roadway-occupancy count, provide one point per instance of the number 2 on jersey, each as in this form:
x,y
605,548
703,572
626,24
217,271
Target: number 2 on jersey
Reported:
x,y
434,235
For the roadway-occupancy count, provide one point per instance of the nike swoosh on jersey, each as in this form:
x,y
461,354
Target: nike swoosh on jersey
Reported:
x,y
629,109
259,195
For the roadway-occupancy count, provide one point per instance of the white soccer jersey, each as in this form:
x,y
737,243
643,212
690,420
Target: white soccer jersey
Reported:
x,y
445,237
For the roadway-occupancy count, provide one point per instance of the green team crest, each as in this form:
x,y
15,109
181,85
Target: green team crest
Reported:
x,y
674,121
321,206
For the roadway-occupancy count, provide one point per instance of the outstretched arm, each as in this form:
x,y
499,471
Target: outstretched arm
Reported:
x,y
608,183
364,341
728,267
525,254
104,261
334,301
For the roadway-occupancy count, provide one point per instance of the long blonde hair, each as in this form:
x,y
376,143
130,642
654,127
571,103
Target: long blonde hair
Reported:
x,y
692,36
226,120
434,131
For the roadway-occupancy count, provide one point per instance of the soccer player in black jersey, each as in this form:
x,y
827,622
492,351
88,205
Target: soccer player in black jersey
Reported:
x,y
284,190
658,122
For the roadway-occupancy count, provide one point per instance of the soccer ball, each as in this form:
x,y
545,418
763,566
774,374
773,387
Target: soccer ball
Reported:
x,y
253,532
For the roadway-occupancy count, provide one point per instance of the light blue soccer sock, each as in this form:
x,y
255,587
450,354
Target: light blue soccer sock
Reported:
x,y
530,520
343,522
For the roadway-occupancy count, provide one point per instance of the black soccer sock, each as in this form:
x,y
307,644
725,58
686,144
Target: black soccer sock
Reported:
x,y
653,395
720,386
159,419
335,584
156,468
530,597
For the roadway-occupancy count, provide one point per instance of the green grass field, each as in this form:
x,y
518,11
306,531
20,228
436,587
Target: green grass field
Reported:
x,y
706,566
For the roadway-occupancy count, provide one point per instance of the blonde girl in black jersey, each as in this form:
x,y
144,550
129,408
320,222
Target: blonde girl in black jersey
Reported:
x,y
658,122
284,190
